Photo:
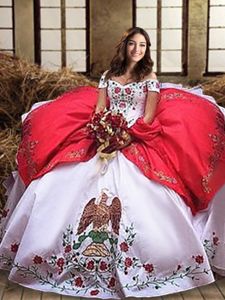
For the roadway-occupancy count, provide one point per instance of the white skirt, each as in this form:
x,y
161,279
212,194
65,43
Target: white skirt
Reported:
x,y
79,232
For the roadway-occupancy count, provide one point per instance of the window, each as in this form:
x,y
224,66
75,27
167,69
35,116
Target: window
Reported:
x,y
61,34
7,26
166,23
216,34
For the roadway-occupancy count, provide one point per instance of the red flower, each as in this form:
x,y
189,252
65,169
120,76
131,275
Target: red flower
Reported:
x,y
103,266
117,90
149,268
90,265
94,292
124,247
216,241
78,281
68,248
112,282
128,90
5,213
60,262
107,126
14,247
37,259
199,259
128,262
145,89
122,104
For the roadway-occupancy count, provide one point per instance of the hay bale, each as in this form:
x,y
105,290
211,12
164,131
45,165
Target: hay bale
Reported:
x,y
216,89
9,140
23,84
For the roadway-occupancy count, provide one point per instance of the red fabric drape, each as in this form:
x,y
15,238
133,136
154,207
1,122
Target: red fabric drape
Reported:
x,y
183,148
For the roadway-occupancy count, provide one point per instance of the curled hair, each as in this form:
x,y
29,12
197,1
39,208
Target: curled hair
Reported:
x,y
118,64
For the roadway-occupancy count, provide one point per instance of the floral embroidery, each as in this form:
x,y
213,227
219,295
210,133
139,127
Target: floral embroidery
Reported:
x,y
14,247
37,260
211,245
102,82
117,90
174,95
129,97
163,177
28,146
91,275
76,154
199,259
92,255
82,270
218,150
153,85
146,167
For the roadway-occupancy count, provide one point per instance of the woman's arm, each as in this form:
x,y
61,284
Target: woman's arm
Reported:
x,y
101,103
102,96
150,107
151,103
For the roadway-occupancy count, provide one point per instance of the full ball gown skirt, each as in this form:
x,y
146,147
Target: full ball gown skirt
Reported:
x,y
89,229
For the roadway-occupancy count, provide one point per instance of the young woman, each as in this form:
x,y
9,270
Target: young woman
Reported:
x,y
152,223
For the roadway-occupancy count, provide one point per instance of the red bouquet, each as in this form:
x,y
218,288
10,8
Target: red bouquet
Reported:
x,y
109,129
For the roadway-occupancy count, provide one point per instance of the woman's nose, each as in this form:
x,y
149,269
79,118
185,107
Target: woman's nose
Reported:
x,y
136,48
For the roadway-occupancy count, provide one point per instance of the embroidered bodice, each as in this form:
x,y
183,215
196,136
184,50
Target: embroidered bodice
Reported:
x,y
128,99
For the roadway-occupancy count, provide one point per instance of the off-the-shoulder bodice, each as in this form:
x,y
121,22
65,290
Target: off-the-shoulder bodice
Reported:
x,y
129,99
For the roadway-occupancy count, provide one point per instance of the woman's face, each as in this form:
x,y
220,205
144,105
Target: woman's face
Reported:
x,y
136,48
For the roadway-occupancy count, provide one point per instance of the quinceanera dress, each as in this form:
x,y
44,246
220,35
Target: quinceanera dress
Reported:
x,y
151,224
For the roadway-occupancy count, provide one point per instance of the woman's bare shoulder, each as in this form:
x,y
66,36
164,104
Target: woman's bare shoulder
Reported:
x,y
151,75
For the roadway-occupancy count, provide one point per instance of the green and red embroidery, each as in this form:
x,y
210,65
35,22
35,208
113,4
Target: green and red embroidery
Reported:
x,y
211,245
93,255
87,275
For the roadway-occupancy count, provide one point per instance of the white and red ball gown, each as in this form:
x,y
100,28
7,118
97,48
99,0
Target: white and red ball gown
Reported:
x,y
151,224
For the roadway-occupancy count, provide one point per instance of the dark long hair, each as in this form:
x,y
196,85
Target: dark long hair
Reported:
x,y
118,64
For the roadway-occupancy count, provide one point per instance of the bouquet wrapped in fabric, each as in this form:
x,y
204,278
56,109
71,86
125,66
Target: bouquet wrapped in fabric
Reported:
x,y
109,129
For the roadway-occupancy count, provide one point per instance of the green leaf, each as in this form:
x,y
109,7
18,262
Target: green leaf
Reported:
x,y
76,246
82,238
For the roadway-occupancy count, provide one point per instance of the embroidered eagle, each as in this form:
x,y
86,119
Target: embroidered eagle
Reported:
x,y
100,214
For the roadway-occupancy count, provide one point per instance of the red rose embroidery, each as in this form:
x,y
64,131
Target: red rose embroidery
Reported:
x,y
94,292
124,247
216,241
148,268
103,266
128,91
37,260
14,247
60,262
117,90
78,281
122,104
128,262
90,265
145,89
112,282
199,259
68,248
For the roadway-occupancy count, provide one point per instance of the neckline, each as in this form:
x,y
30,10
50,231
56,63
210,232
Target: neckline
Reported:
x,y
134,82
